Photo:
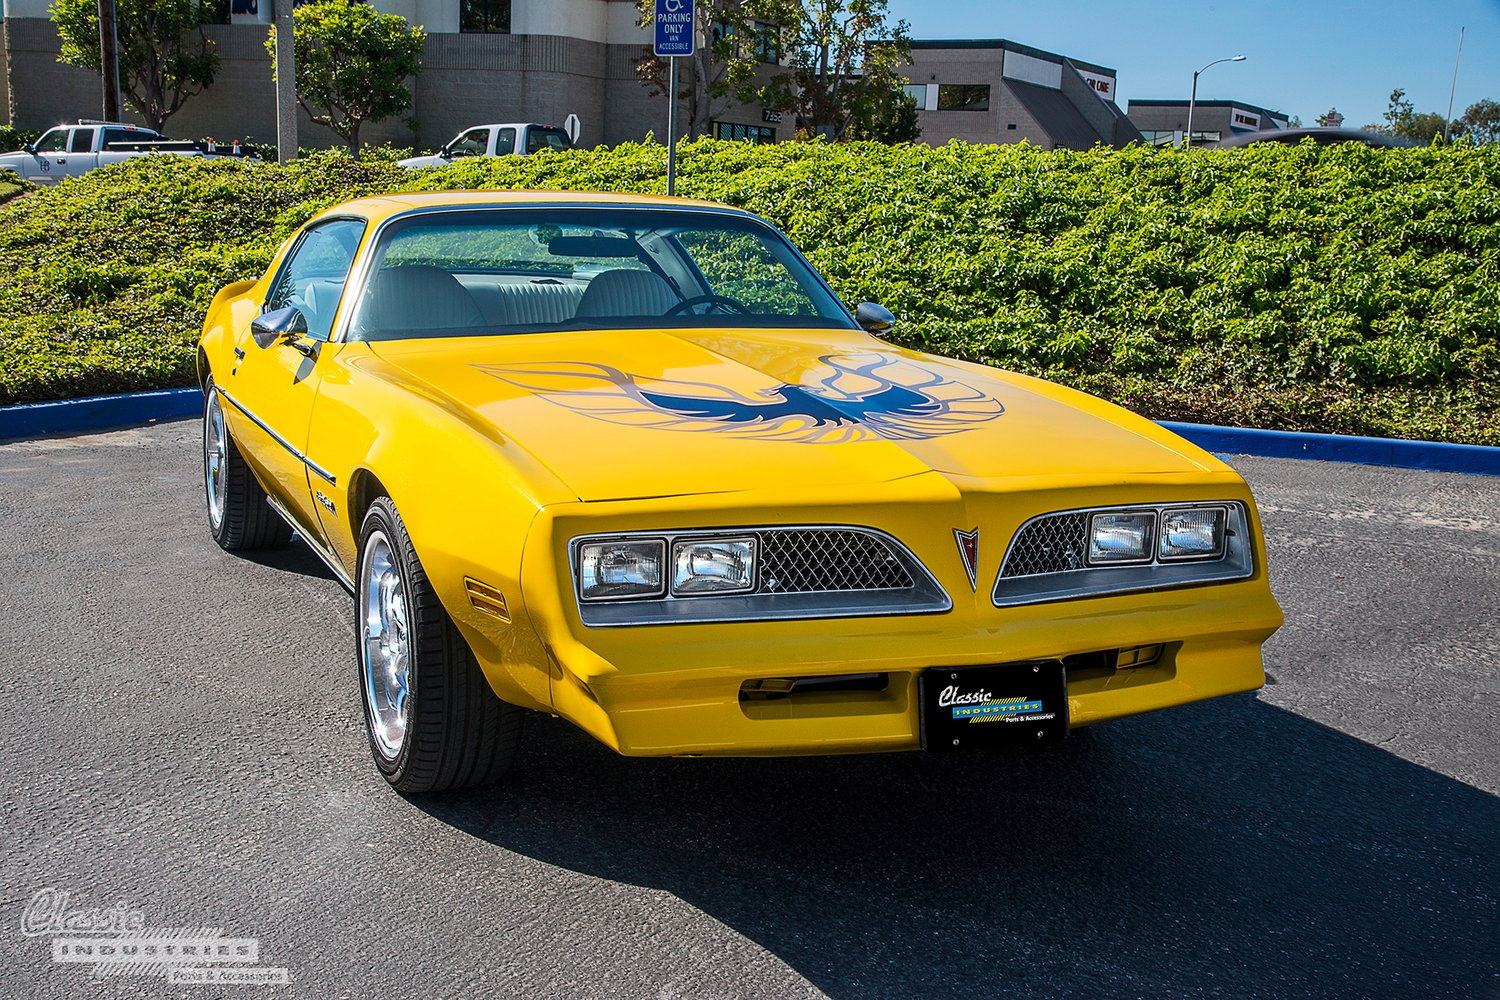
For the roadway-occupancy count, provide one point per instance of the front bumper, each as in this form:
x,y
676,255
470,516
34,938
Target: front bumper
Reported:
x,y
677,689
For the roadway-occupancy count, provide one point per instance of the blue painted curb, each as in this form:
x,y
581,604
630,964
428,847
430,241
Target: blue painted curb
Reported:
x,y
1431,455
93,412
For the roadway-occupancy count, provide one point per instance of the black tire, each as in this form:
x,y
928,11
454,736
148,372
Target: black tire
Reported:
x,y
442,727
239,517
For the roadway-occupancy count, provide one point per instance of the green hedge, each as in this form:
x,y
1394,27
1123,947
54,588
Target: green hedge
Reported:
x,y
1341,289
12,139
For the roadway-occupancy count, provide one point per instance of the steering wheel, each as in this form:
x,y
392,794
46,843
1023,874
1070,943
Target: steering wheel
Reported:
x,y
722,301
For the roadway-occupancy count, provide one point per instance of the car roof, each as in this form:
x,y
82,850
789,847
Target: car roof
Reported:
x,y
1321,135
380,207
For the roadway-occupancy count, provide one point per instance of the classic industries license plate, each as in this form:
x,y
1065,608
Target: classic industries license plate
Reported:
x,y
1009,704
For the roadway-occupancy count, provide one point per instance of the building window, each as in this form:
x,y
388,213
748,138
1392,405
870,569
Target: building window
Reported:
x,y
917,92
757,134
963,97
485,16
723,30
767,45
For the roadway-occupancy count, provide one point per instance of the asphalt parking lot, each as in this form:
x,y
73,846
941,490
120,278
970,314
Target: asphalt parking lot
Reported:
x,y
183,743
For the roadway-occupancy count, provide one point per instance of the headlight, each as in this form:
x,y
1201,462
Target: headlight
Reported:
x,y
1121,538
713,566
1195,533
620,569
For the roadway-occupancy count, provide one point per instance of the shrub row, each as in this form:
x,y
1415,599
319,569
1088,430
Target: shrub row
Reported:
x,y
1340,289
12,138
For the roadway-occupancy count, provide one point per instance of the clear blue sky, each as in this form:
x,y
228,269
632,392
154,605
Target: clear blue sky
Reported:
x,y
1302,56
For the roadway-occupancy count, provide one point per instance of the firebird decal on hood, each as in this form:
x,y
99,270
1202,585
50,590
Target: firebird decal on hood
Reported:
x,y
862,397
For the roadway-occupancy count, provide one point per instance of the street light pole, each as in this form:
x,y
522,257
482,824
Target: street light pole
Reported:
x,y
1187,137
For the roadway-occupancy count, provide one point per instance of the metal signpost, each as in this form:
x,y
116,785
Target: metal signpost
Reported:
x,y
674,37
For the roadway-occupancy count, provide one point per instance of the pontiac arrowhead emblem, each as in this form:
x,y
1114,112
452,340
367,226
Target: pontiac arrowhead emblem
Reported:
x,y
968,550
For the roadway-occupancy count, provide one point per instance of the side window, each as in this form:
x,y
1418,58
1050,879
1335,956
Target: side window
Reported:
x,y
124,135
471,143
83,141
312,277
505,142
53,142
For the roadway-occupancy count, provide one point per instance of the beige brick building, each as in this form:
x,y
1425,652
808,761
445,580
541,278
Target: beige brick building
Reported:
x,y
993,90
485,61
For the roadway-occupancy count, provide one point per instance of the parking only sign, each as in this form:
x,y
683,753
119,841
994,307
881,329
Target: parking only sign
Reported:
x,y
674,27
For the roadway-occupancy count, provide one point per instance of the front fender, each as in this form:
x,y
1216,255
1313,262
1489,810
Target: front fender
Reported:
x,y
467,494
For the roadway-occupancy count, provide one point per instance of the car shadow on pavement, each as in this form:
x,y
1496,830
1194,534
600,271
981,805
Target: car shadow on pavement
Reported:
x,y
294,557
1223,849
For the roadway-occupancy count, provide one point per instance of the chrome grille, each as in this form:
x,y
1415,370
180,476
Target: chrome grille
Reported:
x,y
820,560
1053,544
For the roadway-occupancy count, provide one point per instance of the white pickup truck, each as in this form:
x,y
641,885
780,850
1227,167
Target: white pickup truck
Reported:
x,y
73,150
510,139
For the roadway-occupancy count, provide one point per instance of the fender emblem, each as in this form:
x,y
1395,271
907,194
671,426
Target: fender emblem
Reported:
x,y
323,499
968,551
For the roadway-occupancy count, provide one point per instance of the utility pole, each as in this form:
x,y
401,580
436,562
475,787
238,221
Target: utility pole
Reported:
x,y
109,59
286,84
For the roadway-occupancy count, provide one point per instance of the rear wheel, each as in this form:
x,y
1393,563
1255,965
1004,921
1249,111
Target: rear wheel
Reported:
x,y
433,721
238,516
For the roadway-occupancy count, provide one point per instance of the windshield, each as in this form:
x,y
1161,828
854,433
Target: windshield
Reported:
x,y
513,271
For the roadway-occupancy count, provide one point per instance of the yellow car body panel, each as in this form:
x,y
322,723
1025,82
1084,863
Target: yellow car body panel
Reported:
x,y
497,462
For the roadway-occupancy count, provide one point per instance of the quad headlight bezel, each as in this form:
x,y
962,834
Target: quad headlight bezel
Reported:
x,y
1171,550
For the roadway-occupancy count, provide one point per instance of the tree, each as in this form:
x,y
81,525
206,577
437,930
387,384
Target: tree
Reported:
x,y
1401,118
352,64
888,116
730,50
844,62
165,56
1480,121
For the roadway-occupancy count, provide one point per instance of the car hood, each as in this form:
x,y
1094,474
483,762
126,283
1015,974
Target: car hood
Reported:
x,y
657,413
424,161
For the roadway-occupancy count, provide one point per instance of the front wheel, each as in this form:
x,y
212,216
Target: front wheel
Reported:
x,y
239,517
433,721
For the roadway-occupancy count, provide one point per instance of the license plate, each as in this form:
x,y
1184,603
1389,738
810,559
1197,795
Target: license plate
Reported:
x,y
1005,705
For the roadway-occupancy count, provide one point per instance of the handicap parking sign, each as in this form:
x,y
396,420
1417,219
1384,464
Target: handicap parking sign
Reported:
x,y
674,27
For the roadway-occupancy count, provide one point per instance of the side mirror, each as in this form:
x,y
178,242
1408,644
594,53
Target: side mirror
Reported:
x,y
876,319
443,150
269,327
30,147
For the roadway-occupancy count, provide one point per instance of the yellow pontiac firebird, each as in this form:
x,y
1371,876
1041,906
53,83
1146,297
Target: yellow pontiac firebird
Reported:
x,y
630,461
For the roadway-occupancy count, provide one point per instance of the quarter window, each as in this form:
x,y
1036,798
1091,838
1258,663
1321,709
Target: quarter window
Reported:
x,y
312,278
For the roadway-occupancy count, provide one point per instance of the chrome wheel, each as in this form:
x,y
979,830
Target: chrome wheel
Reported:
x,y
215,458
385,645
